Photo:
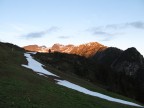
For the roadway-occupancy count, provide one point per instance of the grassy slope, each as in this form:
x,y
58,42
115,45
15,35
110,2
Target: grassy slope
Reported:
x,y
22,88
77,79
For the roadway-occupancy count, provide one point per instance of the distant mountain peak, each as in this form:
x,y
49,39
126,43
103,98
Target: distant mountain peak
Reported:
x,y
132,50
92,43
36,48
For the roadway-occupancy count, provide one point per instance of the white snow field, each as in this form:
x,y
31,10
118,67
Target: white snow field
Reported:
x,y
96,94
37,67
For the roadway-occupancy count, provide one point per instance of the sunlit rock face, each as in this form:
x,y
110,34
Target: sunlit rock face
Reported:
x,y
86,50
36,48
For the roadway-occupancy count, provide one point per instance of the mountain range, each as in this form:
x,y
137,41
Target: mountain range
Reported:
x,y
86,50
114,69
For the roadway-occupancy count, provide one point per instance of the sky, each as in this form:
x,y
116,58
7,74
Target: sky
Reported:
x,y
114,23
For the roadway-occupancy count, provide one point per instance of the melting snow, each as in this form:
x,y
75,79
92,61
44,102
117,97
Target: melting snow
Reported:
x,y
96,94
36,66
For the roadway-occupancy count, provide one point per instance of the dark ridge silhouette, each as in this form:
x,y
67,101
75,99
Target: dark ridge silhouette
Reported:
x,y
12,46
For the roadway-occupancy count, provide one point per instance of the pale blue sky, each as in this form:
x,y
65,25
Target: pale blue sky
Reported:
x,y
118,23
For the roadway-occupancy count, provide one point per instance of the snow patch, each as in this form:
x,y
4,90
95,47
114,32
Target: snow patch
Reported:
x,y
96,94
36,66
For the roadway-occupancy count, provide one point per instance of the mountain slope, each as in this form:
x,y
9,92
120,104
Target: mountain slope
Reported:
x,y
123,71
37,67
108,68
21,87
131,67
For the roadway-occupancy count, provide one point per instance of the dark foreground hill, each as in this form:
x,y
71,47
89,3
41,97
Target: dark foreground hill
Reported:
x,y
124,71
112,69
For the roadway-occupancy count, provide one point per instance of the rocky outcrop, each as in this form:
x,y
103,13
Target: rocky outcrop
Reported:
x,y
129,62
88,50
107,56
62,48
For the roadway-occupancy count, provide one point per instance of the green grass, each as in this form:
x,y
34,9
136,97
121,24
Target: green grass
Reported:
x,y
23,88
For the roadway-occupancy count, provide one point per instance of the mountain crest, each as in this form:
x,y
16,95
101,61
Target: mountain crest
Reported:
x,y
86,50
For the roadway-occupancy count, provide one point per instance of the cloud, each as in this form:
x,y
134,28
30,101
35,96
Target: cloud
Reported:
x,y
113,26
35,34
106,39
108,32
100,33
40,34
137,24
63,37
